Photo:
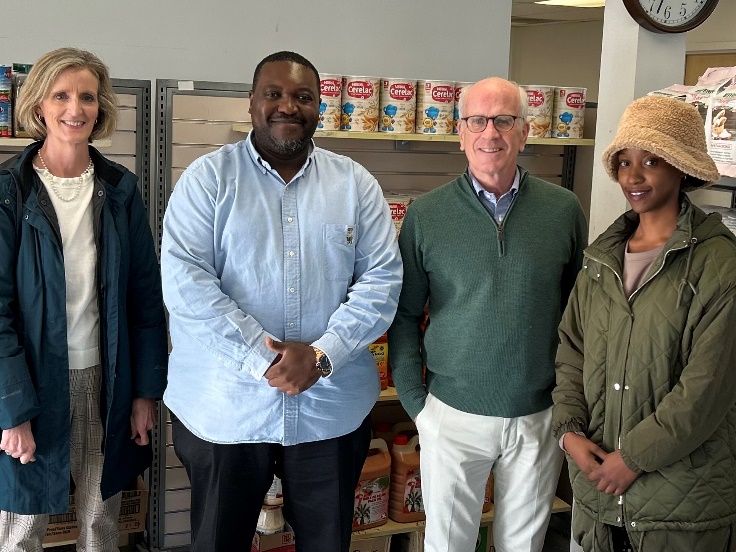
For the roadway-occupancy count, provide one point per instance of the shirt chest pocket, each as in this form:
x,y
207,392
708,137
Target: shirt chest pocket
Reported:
x,y
338,251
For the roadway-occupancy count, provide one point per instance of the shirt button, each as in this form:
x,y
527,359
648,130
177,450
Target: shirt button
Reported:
x,y
291,324
291,253
292,290
616,386
289,219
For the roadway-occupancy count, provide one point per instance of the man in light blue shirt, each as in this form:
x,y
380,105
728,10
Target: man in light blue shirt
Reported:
x,y
280,267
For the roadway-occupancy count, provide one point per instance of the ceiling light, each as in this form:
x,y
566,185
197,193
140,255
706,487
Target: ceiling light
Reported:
x,y
574,3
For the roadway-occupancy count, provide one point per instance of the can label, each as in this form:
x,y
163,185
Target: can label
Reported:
x,y
330,88
569,113
435,107
398,105
539,110
360,104
459,87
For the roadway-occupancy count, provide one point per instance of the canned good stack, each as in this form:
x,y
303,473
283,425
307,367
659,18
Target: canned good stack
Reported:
x,y
555,112
391,105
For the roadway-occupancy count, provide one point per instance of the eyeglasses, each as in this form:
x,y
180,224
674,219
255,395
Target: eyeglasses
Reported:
x,y
478,123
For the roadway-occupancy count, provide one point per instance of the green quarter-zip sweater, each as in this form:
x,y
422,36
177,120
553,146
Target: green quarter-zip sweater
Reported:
x,y
495,295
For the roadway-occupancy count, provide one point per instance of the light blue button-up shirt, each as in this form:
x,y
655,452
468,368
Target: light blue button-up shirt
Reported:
x,y
246,256
497,207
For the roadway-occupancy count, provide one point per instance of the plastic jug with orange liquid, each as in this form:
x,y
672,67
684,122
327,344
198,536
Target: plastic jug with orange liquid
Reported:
x,y
372,491
405,504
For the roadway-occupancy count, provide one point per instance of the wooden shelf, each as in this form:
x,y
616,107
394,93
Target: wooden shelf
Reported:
x,y
392,527
388,395
23,142
242,127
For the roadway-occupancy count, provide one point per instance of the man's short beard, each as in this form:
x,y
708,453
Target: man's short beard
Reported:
x,y
282,148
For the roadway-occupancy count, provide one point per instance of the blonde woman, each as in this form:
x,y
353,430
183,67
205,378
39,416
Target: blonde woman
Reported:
x,y
82,327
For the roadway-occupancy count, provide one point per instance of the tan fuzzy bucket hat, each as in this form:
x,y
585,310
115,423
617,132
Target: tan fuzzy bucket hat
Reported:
x,y
669,128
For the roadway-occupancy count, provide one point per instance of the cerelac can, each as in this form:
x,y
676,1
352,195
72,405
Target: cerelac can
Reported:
x,y
459,87
539,110
568,119
330,89
360,104
398,105
435,106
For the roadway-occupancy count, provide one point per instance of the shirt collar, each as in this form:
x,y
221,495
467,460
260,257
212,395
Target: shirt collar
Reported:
x,y
264,166
481,190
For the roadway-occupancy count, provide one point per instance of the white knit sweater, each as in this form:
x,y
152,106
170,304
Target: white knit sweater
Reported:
x,y
80,264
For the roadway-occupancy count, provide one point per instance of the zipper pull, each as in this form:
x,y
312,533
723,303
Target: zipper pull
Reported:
x,y
500,240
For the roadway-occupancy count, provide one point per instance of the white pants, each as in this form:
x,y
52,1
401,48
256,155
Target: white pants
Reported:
x,y
458,451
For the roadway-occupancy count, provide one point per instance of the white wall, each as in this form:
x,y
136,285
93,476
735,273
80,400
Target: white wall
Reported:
x,y
718,33
561,54
223,40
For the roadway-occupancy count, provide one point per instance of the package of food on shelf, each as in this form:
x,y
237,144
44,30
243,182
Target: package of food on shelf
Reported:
x,y
676,91
379,350
398,202
6,108
398,105
721,132
330,107
435,107
372,492
360,97
709,84
540,99
459,88
568,112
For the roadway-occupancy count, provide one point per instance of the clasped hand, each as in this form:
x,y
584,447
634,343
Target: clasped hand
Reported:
x,y
608,470
295,368
19,443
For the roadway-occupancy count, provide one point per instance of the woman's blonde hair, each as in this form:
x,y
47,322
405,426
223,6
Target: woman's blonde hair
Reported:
x,y
42,77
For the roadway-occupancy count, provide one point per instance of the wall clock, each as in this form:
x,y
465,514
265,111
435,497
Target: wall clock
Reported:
x,y
670,16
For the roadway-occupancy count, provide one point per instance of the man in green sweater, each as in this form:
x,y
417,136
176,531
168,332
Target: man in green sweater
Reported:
x,y
494,255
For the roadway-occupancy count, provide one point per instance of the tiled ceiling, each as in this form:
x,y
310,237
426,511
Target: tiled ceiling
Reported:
x,y
526,12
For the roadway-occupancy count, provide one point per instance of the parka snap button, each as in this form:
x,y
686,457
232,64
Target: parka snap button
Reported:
x,y
26,217
618,519
626,387
44,202
616,386
100,193
633,524
7,202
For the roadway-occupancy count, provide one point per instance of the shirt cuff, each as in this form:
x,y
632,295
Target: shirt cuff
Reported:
x,y
562,439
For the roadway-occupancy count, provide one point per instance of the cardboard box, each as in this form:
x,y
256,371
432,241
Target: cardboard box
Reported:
x,y
376,544
132,519
278,542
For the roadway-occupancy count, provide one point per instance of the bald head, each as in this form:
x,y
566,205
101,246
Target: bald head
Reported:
x,y
493,86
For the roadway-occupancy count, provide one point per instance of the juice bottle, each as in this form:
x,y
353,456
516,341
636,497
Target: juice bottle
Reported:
x,y
404,428
372,491
384,430
405,504
379,349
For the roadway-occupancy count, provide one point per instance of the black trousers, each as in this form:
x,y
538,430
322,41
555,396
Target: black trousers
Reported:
x,y
229,483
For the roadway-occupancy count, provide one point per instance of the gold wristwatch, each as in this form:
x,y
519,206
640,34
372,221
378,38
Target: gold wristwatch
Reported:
x,y
323,363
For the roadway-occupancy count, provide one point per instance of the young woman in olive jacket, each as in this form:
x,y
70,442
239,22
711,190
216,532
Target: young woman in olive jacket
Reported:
x,y
645,403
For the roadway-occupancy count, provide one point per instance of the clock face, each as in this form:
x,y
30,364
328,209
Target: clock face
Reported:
x,y
670,16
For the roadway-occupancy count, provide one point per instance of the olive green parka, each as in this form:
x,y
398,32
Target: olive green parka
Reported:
x,y
654,375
